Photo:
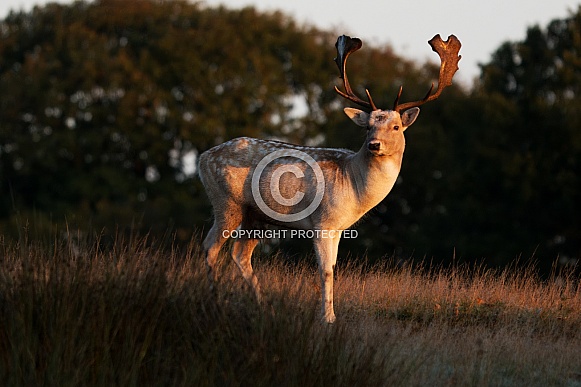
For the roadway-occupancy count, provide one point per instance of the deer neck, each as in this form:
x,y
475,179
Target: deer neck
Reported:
x,y
373,177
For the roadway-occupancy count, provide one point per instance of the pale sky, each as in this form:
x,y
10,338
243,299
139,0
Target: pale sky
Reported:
x,y
407,25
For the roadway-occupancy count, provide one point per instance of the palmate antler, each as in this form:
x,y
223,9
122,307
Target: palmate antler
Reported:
x,y
345,46
448,52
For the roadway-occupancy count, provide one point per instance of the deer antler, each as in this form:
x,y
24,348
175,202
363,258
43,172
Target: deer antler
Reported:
x,y
448,52
345,46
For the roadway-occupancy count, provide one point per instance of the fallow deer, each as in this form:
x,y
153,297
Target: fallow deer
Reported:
x,y
252,183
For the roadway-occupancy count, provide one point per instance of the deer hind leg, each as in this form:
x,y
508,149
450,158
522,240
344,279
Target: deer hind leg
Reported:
x,y
242,255
326,250
224,223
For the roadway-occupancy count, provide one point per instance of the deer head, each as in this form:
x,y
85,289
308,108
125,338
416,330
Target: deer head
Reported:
x,y
385,127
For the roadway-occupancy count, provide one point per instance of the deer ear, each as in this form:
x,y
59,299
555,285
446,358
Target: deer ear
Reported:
x,y
409,116
360,117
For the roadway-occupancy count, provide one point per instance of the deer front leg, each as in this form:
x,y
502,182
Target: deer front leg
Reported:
x,y
326,250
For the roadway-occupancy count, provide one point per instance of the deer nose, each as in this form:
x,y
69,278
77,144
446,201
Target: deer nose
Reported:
x,y
374,145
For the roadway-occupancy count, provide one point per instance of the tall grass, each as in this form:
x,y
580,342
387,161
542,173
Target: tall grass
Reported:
x,y
133,313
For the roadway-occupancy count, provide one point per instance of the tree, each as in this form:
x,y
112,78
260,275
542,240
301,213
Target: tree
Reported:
x,y
105,105
520,192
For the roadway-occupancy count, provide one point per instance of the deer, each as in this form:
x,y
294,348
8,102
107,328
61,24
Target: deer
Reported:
x,y
253,184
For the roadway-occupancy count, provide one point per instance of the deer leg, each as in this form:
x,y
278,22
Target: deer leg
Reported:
x,y
242,255
217,236
212,245
326,250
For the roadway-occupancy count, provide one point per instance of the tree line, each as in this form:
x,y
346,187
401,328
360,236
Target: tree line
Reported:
x,y
105,105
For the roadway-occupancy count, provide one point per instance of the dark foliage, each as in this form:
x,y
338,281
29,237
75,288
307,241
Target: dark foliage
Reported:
x,y
105,105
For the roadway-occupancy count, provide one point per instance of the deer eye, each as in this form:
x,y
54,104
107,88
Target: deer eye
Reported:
x,y
396,127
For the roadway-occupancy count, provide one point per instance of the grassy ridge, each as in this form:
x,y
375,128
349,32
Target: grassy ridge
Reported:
x,y
132,314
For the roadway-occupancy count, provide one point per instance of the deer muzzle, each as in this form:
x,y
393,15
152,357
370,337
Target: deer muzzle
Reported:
x,y
374,146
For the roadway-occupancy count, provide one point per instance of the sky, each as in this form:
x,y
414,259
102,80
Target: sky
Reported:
x,y
481,26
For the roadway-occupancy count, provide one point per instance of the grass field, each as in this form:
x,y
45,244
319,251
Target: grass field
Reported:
x,y
132,314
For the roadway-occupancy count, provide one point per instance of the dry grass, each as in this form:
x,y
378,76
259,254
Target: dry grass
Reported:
x,y
133,314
